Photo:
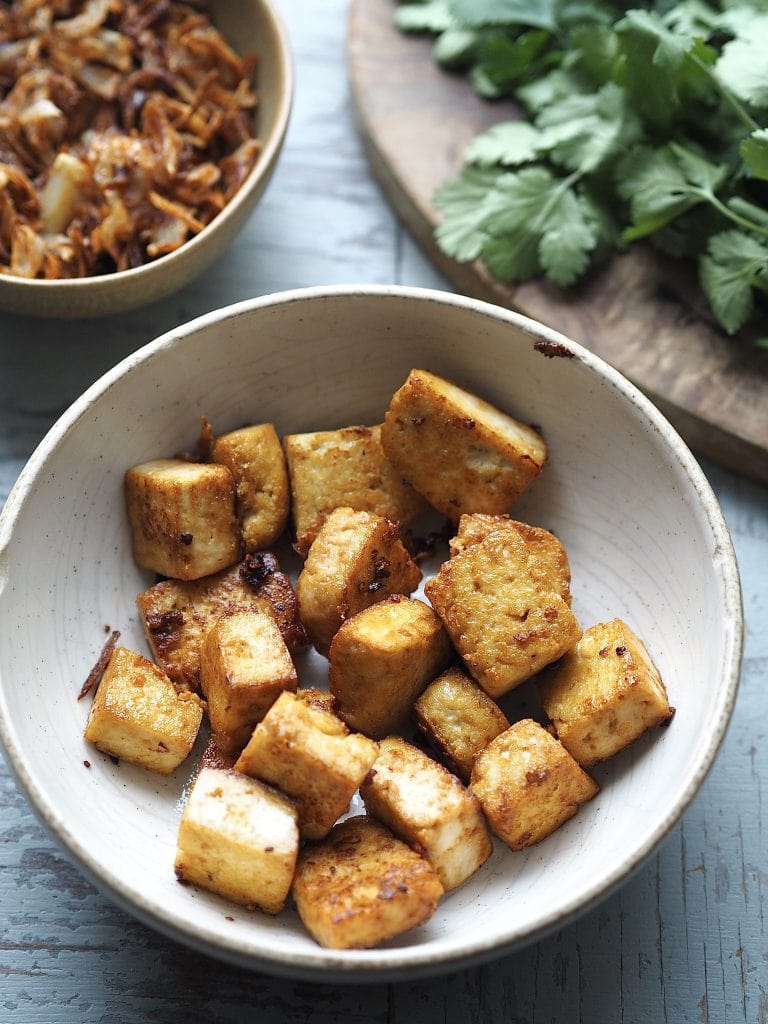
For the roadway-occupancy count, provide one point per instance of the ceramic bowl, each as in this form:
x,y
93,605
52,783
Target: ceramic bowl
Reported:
x,y
646,540
250,26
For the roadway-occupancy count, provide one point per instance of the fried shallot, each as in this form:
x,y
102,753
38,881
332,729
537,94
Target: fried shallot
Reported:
x,y
125,128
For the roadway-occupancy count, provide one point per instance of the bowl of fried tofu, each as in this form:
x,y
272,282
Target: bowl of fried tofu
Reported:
x,y
363,632
139,139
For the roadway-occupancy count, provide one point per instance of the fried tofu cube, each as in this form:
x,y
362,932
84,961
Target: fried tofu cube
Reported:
x,y
274,590
361,885
177,614
528,784
254,457
244,667
460,452
335,468
428,808
239,839
604,693
549,559
182,517
138,716
356,560
503,617
380,661
311,756
317,698
459,718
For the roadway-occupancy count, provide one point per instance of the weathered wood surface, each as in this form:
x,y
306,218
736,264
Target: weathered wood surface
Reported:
x,y
641,312
685,941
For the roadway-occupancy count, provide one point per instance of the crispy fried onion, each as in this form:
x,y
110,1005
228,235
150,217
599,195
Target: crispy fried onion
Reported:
x,y
125,128
95,675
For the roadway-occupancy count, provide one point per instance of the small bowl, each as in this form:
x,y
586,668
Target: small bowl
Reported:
x,y
249,26
646,540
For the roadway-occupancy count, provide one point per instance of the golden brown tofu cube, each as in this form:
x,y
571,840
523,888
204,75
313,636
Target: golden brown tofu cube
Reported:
x,y
335,468
604,693
182,517
317,698
380,661
460,452
261,571
429,809
361,885
138,716
244,667
459,718
177,614
528,784
254,457
356,560
549,560
504,619
239,839
310,755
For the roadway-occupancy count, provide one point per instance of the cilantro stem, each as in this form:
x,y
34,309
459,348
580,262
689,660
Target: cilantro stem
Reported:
x,y
748,225
748,122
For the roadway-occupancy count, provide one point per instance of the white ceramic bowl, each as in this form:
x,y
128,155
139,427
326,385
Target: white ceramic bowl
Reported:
x,y
644,532
249,26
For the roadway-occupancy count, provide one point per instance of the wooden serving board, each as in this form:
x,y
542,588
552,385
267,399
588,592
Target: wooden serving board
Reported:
x,y
641,312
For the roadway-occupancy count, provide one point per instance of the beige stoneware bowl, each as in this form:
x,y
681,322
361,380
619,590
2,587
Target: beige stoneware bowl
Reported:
x,y
646,539
249,26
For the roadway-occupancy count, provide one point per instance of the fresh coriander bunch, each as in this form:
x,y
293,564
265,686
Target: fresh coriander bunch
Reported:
x,y
641,123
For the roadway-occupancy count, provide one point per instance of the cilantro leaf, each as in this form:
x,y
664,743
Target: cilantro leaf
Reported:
x,y
432,16
652,56
540,224
595,49
512,257
691,17
461,233
754,153
583,131
660,184
697,169
543,92
509,143
567,242
502,62
572,14
455,47
480,13
735,264
743,63
664,69
528,195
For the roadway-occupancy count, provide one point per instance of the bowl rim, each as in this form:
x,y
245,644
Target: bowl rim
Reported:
x,y
266,157
394,963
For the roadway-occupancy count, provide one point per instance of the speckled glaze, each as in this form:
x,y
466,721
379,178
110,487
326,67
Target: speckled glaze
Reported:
x,y
644,533
249,25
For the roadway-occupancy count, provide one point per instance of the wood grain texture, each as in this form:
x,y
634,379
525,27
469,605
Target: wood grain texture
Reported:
x,y
641,312
685,941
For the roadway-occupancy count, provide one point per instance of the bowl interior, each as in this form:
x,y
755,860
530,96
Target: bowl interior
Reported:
x,y
644,536
249,26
